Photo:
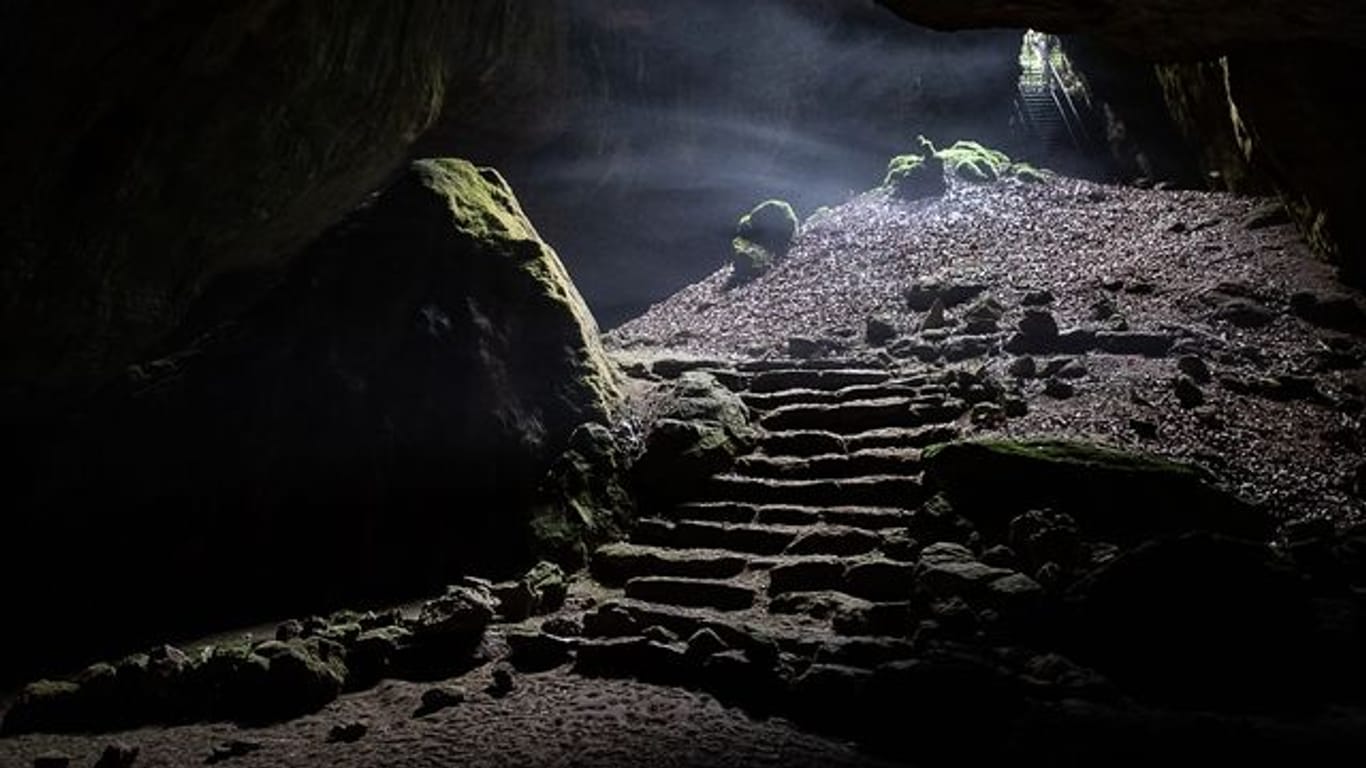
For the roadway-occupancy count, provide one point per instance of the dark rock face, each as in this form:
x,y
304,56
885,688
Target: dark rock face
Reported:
x,y
1193,621
1165,29
383,418
162,146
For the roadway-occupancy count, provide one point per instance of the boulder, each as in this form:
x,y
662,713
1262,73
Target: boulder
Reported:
x,y
915,177
1111,494
762,238
431,353
1201,620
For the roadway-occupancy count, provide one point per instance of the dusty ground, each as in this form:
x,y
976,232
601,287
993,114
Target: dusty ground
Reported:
x,y
551,719
1162,261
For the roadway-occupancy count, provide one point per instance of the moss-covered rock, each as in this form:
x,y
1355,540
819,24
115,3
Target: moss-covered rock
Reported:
x,y
915,177
586,500
762,238
381,423
1112,494
971,161
701,429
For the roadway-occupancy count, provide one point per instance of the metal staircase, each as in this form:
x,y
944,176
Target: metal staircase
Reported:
x,y
1048,115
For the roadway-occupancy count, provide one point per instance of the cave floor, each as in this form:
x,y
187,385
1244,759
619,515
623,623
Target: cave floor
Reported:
x,y
552,719
1190,325
1276,403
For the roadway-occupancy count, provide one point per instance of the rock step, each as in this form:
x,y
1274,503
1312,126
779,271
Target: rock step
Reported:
x,y
867,518
692,593
851,418
918,437
777,541
683,621
827,380
882,461
615,564
759,639
825,364
745,537
870,578
767,401
872,491
800,443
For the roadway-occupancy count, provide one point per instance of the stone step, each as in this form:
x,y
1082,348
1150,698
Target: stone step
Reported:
x,y
833,465
871,578
852,418
867,518
836,540
615,564
767,401
686,534
821,364
918,437
872,491
826,380
733,630
692,593
800,443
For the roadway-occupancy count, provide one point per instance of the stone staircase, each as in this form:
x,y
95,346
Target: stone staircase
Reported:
x,y
799,551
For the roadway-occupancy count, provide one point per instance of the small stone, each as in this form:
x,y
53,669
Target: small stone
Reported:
x,y
347,733
1188,393
935,318
1015,407
987,415
437,699
1072,370
878,331
562,626
1143,428
1024,367
504,680
705,642
118,755
1038,324
803,348
1059,389
289,630
1104,308
660,634
1244,313
1040,298
1196,368
229,750
983,316
999,556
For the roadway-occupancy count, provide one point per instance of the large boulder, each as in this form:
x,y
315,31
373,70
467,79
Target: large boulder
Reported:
x,y
1111,494
380,422
1201,620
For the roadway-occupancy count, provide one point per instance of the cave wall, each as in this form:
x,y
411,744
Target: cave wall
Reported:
x,y
162,145
1289,67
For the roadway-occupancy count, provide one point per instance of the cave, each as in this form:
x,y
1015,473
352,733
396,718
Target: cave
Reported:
x,y
613,382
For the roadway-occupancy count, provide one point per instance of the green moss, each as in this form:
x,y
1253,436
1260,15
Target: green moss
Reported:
x,y
486,210
1029,174
971,161
762,238
913,177
1114,493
